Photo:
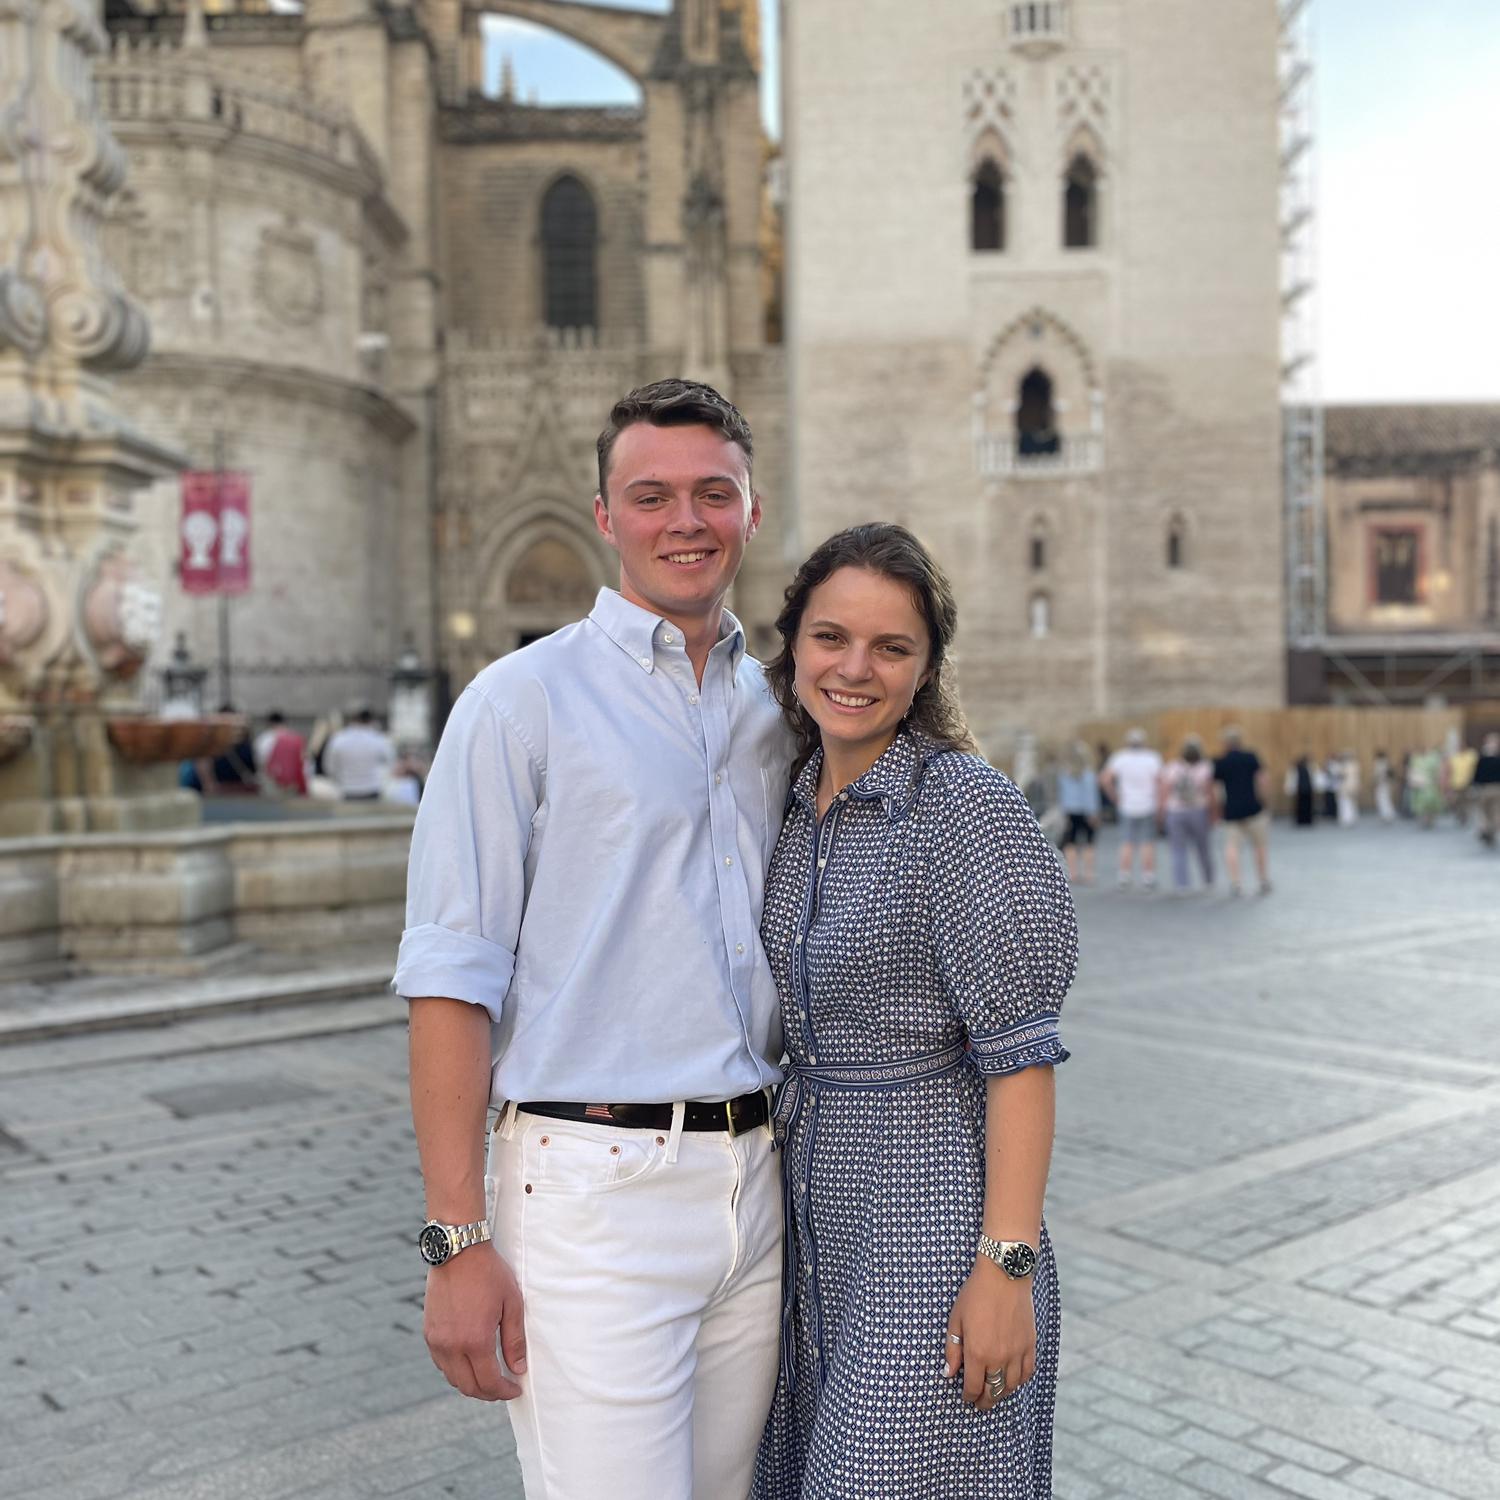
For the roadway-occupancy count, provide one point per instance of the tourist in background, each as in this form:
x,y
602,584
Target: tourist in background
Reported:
x,y
281,758
1487,789
1243,794
1403,787
1326,778
1302,789
359,758
1130,780
1461,762
1108,812
1348,789
1424,779
1079,797
1186,796
1381,778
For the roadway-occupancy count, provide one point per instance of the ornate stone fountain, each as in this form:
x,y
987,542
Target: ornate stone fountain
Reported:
x,y
78,616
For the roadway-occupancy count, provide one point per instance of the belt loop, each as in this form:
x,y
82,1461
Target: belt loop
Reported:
x,y
679,1114
507,1127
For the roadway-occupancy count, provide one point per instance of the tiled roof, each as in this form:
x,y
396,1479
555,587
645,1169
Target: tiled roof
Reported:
x,y
1409,432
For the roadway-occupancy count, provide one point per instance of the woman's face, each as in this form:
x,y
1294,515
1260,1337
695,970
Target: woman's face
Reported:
x,y
861,653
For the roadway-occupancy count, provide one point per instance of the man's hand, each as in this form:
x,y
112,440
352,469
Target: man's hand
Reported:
x,y
469,1299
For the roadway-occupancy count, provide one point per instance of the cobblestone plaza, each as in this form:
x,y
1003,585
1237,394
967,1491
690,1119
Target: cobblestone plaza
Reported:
x,y
1276,1200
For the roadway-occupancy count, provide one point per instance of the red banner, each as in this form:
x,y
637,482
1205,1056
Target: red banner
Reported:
x,y
215,532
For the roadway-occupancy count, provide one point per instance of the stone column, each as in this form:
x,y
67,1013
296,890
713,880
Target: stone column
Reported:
x,y
77,616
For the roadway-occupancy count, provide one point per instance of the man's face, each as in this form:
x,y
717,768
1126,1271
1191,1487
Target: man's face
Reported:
x,y
679,514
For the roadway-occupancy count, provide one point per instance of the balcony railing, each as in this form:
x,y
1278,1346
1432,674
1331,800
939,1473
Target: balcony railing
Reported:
x,y
1002,456
1037,24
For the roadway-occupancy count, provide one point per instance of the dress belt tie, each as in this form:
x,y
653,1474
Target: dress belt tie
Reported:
x,y
882,1077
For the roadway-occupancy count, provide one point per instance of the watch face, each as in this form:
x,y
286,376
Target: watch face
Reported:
x,y
1018,1260
434,1244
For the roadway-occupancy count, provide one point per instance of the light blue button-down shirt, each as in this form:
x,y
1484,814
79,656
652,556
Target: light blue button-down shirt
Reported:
x,y
589,860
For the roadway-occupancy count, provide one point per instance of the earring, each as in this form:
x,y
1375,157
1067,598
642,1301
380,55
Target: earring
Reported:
x,y
796,694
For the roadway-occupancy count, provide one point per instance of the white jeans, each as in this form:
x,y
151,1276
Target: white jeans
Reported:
x,y
650,1271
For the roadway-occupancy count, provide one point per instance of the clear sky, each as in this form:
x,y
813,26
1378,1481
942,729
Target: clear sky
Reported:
x,y
1408,110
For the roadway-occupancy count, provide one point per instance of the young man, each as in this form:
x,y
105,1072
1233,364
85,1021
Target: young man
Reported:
x,y
1130,779
1241,781
582,951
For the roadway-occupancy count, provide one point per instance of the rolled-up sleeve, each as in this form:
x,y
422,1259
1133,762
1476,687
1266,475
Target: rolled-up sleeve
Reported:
x,y
1003,922
466,884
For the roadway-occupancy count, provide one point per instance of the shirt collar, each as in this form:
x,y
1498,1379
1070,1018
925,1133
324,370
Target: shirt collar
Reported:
x,y
894,779
637,631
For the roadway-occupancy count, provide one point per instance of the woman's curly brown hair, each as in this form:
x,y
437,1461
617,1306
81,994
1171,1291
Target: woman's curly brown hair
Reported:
x,y
894,553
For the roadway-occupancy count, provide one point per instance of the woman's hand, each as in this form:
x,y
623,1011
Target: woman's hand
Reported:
x,y
994,1317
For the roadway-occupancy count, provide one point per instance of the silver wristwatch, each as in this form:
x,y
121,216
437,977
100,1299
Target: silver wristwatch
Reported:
x,y
1015,1257
439,1242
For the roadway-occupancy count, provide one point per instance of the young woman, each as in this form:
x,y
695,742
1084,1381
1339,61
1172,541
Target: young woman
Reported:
x,y
922,937
1187,790
1078,796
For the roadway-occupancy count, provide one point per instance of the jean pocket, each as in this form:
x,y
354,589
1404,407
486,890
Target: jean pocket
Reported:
x,y
588,1160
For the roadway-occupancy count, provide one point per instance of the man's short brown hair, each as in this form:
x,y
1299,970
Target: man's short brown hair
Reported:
x,y
674,403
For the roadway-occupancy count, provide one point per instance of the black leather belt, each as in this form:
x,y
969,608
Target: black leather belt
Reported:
x,y
734,1115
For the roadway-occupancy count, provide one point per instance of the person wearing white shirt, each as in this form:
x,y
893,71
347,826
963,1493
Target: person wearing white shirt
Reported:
x,y
582,954
1131,777
359,758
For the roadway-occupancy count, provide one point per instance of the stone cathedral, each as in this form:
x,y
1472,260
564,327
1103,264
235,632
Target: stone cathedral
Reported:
x,y
1030,254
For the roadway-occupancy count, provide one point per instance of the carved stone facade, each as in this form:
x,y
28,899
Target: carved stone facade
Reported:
x,y
1044,333
1032,311
348,254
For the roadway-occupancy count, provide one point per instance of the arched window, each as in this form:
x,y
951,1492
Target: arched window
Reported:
x,y
987,208
1176,543
1039,616
1081,205
1038,552
570,233
1036,422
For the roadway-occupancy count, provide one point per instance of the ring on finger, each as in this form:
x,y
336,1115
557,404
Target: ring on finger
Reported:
x,y
994,1382
955,1338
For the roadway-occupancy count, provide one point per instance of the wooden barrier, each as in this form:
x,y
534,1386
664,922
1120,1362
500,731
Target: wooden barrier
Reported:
x,y
1280,735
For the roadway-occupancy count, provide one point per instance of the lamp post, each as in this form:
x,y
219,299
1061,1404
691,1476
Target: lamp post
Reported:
x,y
182,683
411,701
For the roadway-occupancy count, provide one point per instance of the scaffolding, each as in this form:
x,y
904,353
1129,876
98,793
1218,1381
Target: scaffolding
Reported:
x,y
1302,410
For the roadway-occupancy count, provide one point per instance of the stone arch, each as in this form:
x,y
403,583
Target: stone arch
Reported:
x,y
539,569
1082,198
1037,323
629,39
1038,341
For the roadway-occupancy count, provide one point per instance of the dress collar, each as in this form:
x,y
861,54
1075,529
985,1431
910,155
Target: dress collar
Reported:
x,y
637,631
894,779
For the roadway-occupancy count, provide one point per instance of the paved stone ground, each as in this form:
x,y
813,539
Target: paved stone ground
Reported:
x,y
1276,1202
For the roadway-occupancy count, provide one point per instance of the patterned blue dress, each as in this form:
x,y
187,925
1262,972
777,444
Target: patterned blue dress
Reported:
x,y
922,935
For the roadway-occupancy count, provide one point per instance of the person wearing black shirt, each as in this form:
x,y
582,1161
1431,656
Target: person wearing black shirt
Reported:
x,y
1241,785
1486,784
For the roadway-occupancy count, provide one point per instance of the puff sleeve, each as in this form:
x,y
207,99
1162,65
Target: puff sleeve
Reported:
x,y
1002,917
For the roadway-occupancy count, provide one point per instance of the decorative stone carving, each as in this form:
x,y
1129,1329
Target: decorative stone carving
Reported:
x,y
288,275
121,616
23,610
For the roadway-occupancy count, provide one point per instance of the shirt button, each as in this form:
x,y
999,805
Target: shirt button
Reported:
x,y
739,947
727,862
799,937
692,697
645,661
667,637
718,778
